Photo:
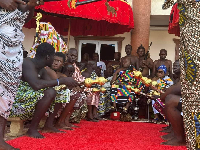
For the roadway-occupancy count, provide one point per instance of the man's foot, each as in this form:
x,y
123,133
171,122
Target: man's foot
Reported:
x,y
34,134
63,126
168,130
175,142
167,127
75,126
67,124
6,146
168,136
51,130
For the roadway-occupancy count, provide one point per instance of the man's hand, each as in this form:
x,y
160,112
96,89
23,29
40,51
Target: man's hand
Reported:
x,y
70,82
11,5
33,3
144,63
77,89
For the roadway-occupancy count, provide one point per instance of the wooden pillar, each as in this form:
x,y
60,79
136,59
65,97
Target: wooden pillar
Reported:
x,y
177,42
140,33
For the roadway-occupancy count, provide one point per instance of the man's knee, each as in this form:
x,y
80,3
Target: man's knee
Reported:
x,y
50,92
172,100
168,99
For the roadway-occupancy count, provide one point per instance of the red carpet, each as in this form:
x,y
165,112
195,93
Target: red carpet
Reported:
x,y
103,135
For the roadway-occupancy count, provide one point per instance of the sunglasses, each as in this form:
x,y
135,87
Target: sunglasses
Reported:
x,y
160,71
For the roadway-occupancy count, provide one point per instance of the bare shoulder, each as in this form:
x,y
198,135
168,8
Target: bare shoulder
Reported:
x,y
60,75
169,61
27,63
149,59
156,61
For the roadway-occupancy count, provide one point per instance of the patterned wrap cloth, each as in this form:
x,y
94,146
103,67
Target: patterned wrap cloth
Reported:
x,y
11,57
93,98
189,56
80,105
27,99
104,102
157,104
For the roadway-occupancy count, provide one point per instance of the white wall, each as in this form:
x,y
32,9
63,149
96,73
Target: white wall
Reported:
x,y
156,8
161,39
29,37
125,42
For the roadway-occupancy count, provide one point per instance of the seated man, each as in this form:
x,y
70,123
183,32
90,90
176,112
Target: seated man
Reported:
x,y
83,63
35,94
55,72
116,63
76,95
163,61
92,98
123,78
173,109
134,59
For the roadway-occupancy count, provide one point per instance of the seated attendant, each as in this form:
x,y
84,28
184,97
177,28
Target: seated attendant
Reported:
x,y
36,93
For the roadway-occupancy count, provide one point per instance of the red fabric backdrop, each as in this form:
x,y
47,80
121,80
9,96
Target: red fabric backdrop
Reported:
x,y
89,19
174,21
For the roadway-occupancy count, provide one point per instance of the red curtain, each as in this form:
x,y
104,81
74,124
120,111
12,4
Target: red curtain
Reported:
x,y
174,21
89,19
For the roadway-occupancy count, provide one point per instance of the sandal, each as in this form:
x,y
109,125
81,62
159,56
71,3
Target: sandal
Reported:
x,y
155,120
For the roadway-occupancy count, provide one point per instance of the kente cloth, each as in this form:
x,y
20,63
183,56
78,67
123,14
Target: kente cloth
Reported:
x,y
93,97
104,102
189,57
47,33
164,83
120,93
11,57
158,105
27,99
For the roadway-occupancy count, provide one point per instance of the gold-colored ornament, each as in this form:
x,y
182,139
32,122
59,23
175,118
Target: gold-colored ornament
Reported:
x,y
38,17
128,87
103,90
57,88
88,82
102,81
154,83
156,93
137,74
95,90
73,4
148,82
137,91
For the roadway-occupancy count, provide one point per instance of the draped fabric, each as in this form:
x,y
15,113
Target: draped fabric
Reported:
x,y
173,27
97,19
